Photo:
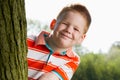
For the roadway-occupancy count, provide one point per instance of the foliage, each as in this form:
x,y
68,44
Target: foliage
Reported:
x,y
99,66
35,26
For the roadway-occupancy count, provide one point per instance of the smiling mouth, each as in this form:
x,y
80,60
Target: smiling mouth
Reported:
x,y
64,35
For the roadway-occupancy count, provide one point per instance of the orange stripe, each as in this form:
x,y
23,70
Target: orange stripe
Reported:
x,y
40,65
49,67
35,64
41,48
62,73
72,65
76,58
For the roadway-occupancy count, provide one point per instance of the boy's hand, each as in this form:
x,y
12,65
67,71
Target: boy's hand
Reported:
x,y
48,76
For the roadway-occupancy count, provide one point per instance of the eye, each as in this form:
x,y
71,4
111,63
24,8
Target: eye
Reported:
x,y
76,29
64,23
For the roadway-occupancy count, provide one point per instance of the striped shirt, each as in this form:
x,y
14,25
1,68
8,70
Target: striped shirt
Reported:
x,y
42,59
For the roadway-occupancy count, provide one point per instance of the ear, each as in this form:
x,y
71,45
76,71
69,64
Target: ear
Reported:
x,y
82,38
52,24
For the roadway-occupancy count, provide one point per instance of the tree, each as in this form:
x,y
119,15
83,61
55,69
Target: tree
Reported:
x,y
13,49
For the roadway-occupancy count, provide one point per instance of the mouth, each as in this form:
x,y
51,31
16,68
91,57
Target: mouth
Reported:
x,y
65,35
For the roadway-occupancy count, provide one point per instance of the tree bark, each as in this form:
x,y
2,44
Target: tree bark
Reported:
x,y
13,48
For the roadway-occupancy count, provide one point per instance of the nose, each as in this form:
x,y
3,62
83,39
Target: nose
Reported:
x,y
69,29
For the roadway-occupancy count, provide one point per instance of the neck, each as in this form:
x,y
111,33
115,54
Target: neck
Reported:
x,y
53,46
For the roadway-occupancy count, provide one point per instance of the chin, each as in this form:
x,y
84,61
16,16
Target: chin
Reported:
x,y
65,46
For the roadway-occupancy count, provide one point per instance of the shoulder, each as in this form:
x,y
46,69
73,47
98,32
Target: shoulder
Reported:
x,y
76,57
73,56
31,40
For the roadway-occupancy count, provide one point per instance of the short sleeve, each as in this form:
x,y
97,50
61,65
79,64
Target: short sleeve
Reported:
x,y
66,71
58,75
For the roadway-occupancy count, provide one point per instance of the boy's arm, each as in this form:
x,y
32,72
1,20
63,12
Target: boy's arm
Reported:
x,y
48,76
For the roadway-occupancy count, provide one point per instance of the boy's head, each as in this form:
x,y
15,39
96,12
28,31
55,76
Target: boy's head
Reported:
x,y
71,26
76,8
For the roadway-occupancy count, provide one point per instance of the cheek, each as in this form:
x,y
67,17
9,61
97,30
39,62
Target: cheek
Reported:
x,y
76,36
78,39
58,28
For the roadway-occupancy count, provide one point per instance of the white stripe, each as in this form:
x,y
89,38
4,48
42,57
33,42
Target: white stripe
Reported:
x,y
34,74
57,61
68,70
37,55
41,56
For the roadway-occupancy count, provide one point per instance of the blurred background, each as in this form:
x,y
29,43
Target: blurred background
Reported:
x,y
100,51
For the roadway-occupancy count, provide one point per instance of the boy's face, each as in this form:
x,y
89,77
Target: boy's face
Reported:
x,y
69,31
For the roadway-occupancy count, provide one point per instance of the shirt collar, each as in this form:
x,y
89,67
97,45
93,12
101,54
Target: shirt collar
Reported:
x,y
40,40
70,53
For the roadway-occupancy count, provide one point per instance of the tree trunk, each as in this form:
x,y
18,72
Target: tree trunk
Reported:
x,y
13,48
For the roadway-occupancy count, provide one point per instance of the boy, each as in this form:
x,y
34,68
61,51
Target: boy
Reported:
x,y
50,56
